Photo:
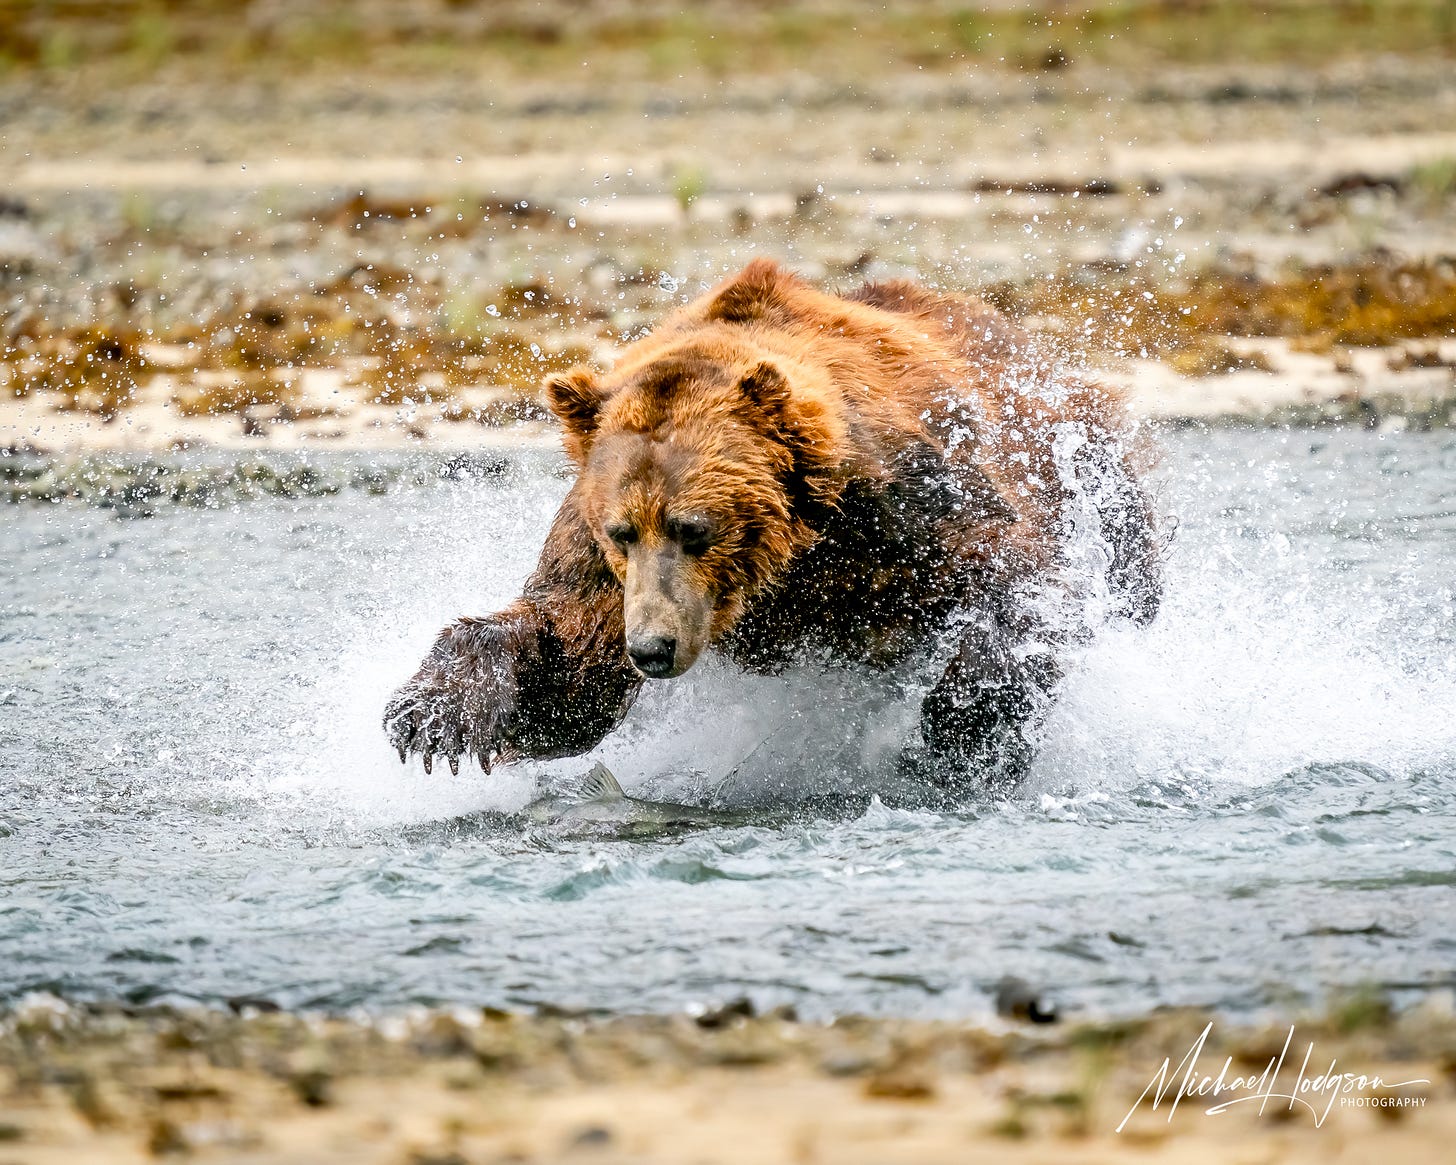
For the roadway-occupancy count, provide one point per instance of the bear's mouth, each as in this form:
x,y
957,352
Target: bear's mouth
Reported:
x,y
655,656
665,655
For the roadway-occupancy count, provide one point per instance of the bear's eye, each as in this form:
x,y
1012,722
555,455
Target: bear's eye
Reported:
x,y
622,534
692,534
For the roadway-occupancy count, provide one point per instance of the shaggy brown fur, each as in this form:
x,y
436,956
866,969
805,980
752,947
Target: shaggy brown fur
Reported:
x,y
785,475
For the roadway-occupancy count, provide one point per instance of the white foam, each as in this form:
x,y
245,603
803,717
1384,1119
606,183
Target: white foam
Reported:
x,y
1244,676
469,556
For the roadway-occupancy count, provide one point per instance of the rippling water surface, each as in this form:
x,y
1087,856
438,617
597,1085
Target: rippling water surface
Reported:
x,y
1246,805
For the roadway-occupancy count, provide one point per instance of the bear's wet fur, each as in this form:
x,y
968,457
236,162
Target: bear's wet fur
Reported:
x,y
785,475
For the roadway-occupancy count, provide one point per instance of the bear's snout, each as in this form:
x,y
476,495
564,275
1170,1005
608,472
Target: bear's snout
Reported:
x,y
668,616
652,655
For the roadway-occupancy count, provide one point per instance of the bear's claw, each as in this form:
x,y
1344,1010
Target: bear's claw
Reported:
x,y
459,702
423,722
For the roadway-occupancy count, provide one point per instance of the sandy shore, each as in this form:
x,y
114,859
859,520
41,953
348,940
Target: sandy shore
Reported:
x,y
462,1087
1272,382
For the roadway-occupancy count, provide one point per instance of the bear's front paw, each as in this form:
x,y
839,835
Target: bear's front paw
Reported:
x,y
461,700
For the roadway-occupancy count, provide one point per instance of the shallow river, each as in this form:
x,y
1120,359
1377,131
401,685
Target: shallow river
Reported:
x,y
1247,805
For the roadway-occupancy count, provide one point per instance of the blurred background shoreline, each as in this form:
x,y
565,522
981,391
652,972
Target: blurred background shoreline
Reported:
x,y
366,226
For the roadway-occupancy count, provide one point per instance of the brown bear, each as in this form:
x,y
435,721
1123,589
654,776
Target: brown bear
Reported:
x,y
785,475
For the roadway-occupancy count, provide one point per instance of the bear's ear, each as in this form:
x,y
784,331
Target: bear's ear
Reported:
x,y
752,294
576,397
767,390
808,431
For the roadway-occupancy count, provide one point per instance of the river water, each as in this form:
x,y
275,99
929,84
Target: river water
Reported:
x,y
1249,805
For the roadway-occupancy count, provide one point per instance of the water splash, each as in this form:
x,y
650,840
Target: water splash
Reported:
x,y
1262,659
220,678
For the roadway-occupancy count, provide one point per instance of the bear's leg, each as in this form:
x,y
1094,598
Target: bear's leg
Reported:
x,y
535,680
977,718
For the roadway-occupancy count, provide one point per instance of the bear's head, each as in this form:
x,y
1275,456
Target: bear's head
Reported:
x,y
701,459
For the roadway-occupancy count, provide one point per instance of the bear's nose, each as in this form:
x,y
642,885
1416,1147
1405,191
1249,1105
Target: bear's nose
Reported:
x,y
652,655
